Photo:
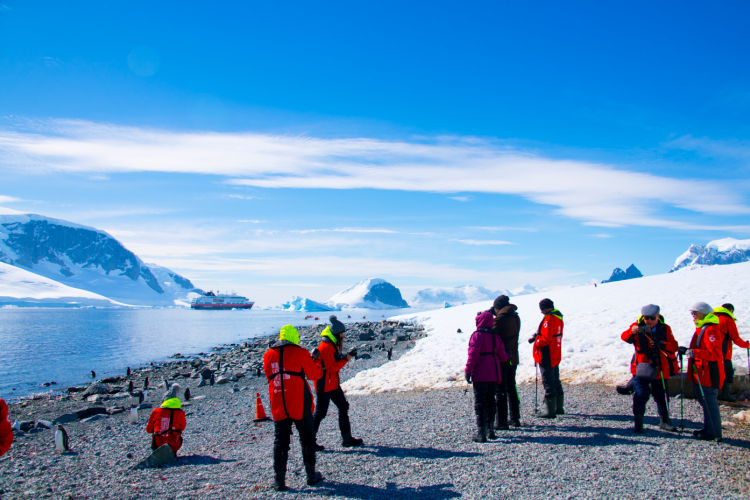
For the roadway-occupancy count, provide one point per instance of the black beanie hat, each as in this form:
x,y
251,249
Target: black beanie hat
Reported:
x,y
501,302
546,304
336,325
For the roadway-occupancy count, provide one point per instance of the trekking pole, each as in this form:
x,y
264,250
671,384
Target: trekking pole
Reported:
x,y
682,398
536,390
703,395
663,388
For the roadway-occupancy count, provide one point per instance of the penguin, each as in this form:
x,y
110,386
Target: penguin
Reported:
x,y
130,387
459,331
93,374
213,379
61,440
128,372
145,383
257,373
218,366
390,353
187,393
166,384
134,415
141,397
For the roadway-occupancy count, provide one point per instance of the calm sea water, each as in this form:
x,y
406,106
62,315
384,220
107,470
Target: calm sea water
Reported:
x,y
64,345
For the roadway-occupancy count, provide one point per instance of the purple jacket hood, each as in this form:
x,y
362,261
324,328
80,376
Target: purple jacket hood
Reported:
x,y
486,351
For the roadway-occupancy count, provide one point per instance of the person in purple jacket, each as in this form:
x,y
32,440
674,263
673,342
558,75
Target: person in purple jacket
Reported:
x,y
486,352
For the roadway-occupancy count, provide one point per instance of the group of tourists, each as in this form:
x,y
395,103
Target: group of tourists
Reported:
x,y
493,359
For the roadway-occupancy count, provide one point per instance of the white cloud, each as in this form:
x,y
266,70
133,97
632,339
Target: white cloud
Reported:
x,y
242,197
484,242
461,198
8,199
504,228
731,148
602,235
596,194
344,230
252,221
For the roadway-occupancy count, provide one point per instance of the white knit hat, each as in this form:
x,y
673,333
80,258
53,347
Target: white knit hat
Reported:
x,y
702,307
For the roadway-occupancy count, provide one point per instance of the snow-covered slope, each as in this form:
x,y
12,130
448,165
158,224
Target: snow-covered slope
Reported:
x,y
718,252
594,319
466,294
87,258
523,290
18,286
304,304
373,293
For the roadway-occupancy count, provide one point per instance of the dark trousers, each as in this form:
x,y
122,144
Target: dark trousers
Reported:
x,y
507,394
283,432
728,373
484,402
711,412
323,400
551,381
644,389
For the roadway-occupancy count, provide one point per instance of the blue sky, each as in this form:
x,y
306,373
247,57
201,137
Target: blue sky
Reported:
x,y
295,148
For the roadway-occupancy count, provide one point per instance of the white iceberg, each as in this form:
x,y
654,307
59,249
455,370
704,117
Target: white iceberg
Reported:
x,y
304,304
373,293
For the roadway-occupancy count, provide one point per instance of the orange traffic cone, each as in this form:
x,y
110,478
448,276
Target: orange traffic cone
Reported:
x,y
260,412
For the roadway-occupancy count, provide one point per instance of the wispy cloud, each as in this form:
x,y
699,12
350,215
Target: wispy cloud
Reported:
x,y
8,199
251,221
602,235
461,198
484,242
504,228
714,148
597,194
241,197
343,230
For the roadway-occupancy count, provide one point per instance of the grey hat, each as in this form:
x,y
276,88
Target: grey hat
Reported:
x,y
336,325
702,307
172,392
650,310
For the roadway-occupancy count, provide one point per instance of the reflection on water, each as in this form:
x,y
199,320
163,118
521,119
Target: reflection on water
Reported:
x,y
64,345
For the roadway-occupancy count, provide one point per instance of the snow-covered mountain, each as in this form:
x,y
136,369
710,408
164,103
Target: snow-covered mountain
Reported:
x,y
718,252
619,275
89,259
466,294
24,288
304,304
592,349
373,293
523,290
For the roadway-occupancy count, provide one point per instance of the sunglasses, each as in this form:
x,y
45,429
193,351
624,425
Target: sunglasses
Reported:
x,y
650,318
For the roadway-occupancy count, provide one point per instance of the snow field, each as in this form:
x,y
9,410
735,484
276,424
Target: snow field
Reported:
x,y
594,319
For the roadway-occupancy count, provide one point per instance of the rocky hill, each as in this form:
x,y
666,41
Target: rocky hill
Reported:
x,y
718,252
620,275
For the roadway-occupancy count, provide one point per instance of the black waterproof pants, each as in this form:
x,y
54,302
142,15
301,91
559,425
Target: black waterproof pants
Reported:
x,y
646,388
323,400
484,403
551,381
507,394
728,372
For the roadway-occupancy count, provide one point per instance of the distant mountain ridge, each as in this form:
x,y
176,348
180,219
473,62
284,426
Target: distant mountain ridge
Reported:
x,y
715,253
89,259
618,274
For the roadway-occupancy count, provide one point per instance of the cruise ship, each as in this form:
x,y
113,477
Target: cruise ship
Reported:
x,y
221,301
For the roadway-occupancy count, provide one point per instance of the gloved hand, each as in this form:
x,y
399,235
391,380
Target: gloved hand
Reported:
x,y
316,353
353,353
690,354
532,339
468,377
682,350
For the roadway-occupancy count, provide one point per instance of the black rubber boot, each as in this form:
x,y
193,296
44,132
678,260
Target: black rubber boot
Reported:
x,y
626,389
515,422
725,396
515,409
279,468
501,417
551,409
319,447
308,456
666,424
481,434
560,404
347,441
638,429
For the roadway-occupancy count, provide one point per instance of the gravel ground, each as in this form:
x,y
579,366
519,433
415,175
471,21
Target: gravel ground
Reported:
x,y
417,444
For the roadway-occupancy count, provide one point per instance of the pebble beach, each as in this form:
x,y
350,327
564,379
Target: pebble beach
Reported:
x,y
417,443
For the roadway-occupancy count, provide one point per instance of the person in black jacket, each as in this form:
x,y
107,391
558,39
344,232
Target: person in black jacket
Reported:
x,y
508,325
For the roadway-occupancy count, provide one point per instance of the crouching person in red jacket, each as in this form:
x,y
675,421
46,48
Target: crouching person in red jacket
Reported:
x,y
654,348
167,423
6,433
288,367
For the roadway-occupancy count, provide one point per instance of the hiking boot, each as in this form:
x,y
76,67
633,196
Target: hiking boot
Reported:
x,y
666,424
624,390
319,447
348,441
279,468
515,422
551,411
560,404
308,457
638,428
725,396
491,434
704,436
479,436
501,426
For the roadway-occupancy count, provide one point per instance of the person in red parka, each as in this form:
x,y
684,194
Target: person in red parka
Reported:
x,y
167,423
654,347
728,328
328,387
547,354
6,432
288,367
705,367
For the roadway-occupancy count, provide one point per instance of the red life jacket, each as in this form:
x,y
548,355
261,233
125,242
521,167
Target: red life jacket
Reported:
x,y
548,343
644,345
709,359
166,425
332,364
6,432
287,367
